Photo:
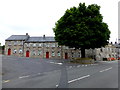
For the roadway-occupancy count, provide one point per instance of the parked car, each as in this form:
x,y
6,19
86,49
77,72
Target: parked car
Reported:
x,y
111,58
119,58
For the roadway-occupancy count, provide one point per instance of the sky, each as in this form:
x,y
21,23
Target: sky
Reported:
x,y
38,17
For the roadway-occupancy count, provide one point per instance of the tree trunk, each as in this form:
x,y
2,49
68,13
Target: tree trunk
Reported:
x,y
82,52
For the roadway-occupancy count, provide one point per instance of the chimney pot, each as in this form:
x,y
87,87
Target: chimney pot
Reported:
x,y
26,33
44,36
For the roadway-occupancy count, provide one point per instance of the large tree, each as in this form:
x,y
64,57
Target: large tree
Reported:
x,y
82,27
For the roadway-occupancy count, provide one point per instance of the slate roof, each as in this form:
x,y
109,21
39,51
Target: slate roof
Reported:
x,y
17,37
117,45
41,39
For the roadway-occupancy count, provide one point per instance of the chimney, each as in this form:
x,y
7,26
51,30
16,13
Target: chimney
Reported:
x,y
26,33
111,43
43,36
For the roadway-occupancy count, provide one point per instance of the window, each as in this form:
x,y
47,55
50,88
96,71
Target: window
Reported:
x,y
20,51
53,53
44,44
9,43
66,47
113,49
58,53
21,43
15,42
34,45
47,44
27,44
53,44
33,53
14,51
39,52
40,45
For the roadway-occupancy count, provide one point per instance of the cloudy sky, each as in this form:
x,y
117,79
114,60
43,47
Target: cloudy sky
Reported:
x,y
38,17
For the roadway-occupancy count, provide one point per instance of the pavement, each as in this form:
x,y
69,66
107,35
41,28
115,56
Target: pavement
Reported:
x,y
22,72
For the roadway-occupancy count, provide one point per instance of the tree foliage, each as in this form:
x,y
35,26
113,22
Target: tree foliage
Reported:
x,y
82,27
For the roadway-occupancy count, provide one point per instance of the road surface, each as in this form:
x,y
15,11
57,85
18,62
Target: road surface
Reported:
x,y
22,72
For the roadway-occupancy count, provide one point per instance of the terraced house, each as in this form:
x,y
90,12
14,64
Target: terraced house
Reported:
x,y
47,47
42,47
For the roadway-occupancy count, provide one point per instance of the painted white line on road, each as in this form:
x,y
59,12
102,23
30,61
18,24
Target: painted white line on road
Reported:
x,y
24,76
56,85
106,69
70,66
78,79
5,81
59,63
56,63
51,62
39,73
78,66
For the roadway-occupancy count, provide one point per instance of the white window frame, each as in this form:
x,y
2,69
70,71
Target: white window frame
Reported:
x,y
53,53
58,53
53,44
15,42
27,44
33,52
14,51
34,45
20,51
47,45
9,43
39,52
20,42
40,45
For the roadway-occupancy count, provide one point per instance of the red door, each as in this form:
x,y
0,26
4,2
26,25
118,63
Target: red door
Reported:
x,y
27,53
47,54
9,51
66,55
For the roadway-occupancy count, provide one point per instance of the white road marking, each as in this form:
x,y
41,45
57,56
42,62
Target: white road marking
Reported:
x,y
78,79
56,85
51,62
78,66
59,63
24,76
85,65
5,81
56,63
39,73
70,66
106,69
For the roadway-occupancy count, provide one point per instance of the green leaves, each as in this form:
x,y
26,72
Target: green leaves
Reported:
x,y
82,26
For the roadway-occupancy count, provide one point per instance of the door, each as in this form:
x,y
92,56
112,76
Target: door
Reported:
x,y
9,51
66,55
27,53
47,54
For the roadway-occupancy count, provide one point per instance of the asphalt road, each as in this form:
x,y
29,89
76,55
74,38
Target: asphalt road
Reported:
x,y
21,72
